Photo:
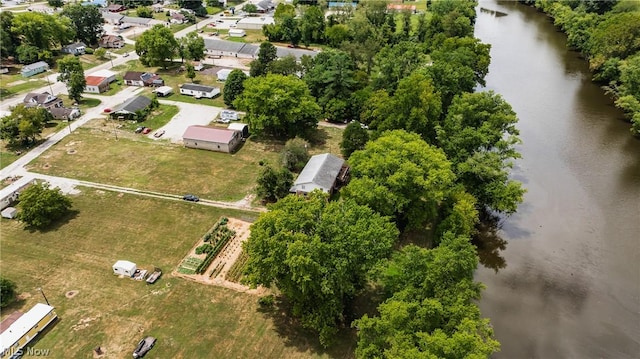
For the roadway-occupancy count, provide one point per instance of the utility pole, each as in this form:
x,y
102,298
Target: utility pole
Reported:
x,y
49,82
45,297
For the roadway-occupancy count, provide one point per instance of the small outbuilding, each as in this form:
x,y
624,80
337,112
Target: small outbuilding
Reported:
x,y
210,138
237,33
163,91
96,84
34,69
9,212
125,268
77,48
321,172
223,74
243,128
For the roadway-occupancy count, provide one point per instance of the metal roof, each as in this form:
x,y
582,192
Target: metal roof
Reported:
x,y
297,53
208,134
222,45
136,20
35,65
320,172
23,325
195,87
127,265
94,80
133,104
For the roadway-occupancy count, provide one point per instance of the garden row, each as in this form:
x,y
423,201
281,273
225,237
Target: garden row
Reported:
x,y
214,240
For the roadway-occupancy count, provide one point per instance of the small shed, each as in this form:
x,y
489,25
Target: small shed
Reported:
x,y
9,212
237,33
223,74
163,91
125,268
243,128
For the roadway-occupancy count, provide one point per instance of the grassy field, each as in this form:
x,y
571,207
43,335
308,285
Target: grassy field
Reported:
x,y
152,165
123,49
190,320
85,103
7,157
114,87
13,90
253,36
158,118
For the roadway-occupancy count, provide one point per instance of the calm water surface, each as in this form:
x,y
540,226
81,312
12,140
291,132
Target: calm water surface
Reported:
x,y
571,285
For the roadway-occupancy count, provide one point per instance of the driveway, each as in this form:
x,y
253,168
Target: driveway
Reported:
x,y
189,115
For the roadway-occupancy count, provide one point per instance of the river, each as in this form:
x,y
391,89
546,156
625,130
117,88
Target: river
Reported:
x,y
571,285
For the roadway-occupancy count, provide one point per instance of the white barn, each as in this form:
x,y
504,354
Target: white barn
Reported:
x,y
125,268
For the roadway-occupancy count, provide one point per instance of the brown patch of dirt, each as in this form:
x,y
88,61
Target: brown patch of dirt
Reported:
x,y
70,294
71,151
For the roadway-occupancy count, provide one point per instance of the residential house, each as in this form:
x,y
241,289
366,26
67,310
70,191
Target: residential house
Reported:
x,y
34,68
178,18
212,139
139,21
199,91
223,74
24,328
98,3
323,172
44,100
96,84
264,6
63,113
111,41
157,7
134,78
130,108
116,8
77,48
110,75
237,33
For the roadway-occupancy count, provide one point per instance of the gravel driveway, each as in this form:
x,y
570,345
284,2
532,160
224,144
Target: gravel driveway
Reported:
x,y
189,115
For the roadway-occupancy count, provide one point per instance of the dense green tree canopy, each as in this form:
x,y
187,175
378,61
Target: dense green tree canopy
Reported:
x,y
354,138
478,135
41,30
432,312
400,175
72,73
295,154
332,76
274,183
86,22
395,62
617,36
7,292
41,205
266,55
278,105
317,253
156,45
9,40
312,25
233,86
24,125
192,47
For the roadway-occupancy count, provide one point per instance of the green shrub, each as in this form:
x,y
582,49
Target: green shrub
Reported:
x,y
267,301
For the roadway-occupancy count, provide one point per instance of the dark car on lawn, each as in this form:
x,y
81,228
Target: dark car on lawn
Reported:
x,y
144,346
190,198
139,129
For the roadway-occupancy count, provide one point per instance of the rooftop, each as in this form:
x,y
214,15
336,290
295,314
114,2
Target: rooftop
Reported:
x,y
133,104
22,325
195,87
321,170
95,80
210,134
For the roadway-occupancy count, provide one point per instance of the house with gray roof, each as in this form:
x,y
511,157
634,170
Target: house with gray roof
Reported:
x,y
112,18
199,91
34,68
129,109
322,172
139,21
77,48
217,47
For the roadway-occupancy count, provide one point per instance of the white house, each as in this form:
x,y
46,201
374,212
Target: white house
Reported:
x,y
237,33
223,74
35,68
77,48
109,75
18,330
210,138
199,91
125,268
321,172
163,91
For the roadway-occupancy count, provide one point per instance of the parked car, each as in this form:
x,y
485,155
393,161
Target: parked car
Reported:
x,y
144,346
224,120
106,110
158,134
190,198
146,130
139,129
126,54
154,276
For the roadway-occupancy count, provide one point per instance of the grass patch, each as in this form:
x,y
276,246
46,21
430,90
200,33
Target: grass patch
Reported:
x,y
137,162
158,118
13,90
178,27
84,104
212,10
90,61
253,36
7,157
123,49
114,87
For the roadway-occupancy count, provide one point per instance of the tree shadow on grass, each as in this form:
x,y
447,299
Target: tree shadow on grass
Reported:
x,y
318,137
72,214
305,340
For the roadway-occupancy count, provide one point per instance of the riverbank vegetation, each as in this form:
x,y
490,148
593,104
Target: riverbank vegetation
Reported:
x,y
607,33
436,157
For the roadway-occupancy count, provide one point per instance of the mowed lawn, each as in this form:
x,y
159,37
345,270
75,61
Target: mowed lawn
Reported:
x,y
137,162
190,320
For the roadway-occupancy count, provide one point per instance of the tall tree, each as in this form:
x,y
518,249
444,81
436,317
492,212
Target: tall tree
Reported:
x,y
233,86
191,72
395,62
354,138
157,45
266,55
72,73
24,125
312,25
9,40
331,77
400,175
55,3
432,312
274,184
318,254
278,105
192,46
478,135
41,30
295,154
86,21
41,205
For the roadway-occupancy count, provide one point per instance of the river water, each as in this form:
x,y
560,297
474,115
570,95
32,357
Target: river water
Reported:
x,y
571,284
